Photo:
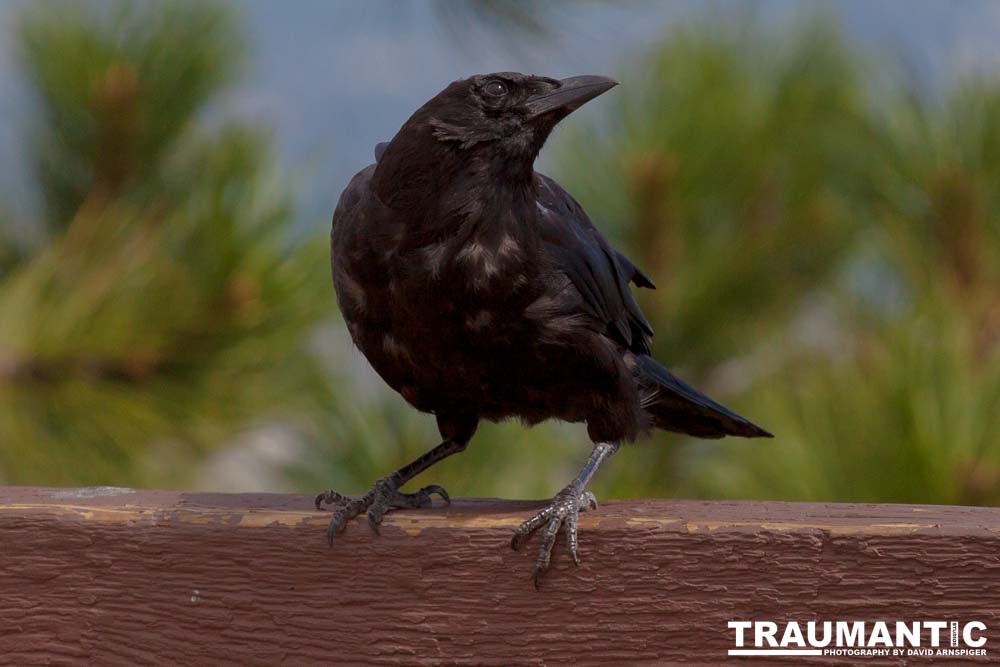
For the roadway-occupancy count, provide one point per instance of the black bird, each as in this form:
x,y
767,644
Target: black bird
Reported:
x,y
479,289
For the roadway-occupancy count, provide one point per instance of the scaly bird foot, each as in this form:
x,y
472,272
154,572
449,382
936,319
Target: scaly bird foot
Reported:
x,y
382,497
564,509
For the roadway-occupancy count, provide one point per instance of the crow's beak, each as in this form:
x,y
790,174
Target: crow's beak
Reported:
x,y
571,94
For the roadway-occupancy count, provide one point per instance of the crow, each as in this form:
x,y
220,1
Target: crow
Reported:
x,y
478,288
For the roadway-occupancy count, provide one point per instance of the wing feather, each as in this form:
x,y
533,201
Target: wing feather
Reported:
x,y
599,272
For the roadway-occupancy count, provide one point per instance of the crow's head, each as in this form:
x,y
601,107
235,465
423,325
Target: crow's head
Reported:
x,y
510,112
490,123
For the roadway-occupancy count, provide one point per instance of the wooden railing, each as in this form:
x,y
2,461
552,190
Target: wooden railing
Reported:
x,y
103,576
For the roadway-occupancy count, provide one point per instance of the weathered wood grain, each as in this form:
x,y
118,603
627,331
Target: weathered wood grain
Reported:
x,y
116,577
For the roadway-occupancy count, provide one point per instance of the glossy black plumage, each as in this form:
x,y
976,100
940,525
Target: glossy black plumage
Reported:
x,y
484,289
479,288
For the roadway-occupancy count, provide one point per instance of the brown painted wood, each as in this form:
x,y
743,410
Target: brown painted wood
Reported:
x,y
120,577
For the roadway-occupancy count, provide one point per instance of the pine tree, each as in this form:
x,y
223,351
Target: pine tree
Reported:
x,y
166,303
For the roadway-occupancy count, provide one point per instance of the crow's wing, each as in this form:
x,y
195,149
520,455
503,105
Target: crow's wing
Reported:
x,y
599,272
601,275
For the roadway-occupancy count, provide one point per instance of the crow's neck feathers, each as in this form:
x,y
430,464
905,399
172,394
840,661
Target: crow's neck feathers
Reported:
x,y
446,175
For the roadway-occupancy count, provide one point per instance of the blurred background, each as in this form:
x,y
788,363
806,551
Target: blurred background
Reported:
x,y
814,187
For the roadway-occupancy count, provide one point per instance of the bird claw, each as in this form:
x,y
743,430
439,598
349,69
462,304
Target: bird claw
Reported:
x,y
377,502
564,510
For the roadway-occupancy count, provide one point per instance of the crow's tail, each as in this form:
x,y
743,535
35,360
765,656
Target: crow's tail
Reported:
x,y
674,405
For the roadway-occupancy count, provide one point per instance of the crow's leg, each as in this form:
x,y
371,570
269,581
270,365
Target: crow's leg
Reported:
x,y
385,494
563,510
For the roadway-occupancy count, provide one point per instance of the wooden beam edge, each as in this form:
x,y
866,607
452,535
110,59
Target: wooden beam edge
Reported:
x,y
112,505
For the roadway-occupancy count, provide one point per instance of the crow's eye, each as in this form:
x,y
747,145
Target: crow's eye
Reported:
x,y
495,89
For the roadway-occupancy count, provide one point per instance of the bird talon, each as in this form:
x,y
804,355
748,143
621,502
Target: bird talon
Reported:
x,y
517,540
380,499
434,488
536,578
339,520
562,512
328,498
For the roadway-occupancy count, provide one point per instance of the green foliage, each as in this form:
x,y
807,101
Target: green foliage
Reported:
x,y
908,409
116,91
169,304
827,255
9,251
942,203
738,172
828,264
910,414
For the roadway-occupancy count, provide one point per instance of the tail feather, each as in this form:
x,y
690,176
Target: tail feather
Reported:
x,y
674,405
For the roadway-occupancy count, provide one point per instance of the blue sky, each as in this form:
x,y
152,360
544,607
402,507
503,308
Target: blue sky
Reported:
x,y
331,79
